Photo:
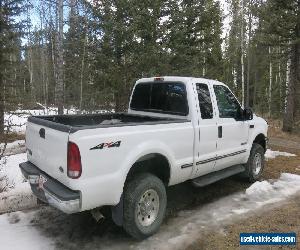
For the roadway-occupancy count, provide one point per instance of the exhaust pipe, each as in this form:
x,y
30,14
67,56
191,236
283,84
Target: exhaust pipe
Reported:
x,y
97,215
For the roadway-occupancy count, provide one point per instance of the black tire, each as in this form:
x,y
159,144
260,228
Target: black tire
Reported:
x,y
134,190
251,173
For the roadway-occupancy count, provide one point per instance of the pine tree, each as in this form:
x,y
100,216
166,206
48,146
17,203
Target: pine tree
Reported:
x,y
194,37
281,19
10,31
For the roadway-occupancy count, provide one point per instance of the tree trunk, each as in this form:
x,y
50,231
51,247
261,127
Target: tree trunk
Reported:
x,y
82,72
280,81
1,77
270,83
59,93
242,54
1,104
288,120
294,81
203,68
248,55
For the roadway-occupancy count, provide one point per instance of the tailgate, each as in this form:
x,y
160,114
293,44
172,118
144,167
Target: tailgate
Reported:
x,y
47,149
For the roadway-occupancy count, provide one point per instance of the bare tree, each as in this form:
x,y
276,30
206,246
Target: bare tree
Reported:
x,y
288,119
248,51
294,79
270,82
59,89
1,99
2,20
242,53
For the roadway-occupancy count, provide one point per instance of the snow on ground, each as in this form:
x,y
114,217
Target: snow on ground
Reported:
x,y
11,145
9,169
270,154
19,233
16,120
16,193
46,227
13,148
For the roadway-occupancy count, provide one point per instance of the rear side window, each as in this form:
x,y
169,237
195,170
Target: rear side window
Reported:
x,y
167,97
204,99
141,96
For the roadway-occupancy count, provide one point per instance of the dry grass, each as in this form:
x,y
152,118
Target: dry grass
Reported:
x,y
275,130
281,219
11,137
274,167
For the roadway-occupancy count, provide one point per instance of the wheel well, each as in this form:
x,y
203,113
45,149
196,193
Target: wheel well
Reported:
x,y
156,164
261,139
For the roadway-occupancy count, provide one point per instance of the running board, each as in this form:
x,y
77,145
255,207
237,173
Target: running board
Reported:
x,y
218,175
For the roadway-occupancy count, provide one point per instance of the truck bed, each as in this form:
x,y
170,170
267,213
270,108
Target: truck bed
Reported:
x,y
73,123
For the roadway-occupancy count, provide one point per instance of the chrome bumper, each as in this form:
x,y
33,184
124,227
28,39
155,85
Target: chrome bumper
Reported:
x,y
52,192
68,207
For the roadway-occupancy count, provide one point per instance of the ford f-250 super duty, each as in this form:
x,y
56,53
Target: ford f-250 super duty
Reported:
x,y
176,129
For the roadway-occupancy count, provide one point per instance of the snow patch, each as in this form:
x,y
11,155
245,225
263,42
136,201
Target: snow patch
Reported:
x,y
15,192
240,211
258,188
270,154
10,172
18,233
11,145
16,120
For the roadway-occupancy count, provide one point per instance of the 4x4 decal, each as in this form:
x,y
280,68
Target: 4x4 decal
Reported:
x,y
107,145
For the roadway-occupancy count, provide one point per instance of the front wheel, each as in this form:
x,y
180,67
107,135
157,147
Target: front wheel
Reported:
x,y
256,163
145,201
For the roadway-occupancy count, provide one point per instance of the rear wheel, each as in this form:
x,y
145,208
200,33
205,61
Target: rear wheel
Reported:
x,y
255,164
145,203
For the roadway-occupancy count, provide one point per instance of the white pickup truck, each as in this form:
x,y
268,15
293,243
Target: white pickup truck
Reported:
x,y
176,129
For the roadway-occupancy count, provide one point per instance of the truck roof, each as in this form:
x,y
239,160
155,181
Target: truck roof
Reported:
x,y
183,79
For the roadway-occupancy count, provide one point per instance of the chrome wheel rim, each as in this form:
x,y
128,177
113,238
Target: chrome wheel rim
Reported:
x,y
148,207
257,163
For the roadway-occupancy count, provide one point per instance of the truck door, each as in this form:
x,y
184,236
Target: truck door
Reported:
x,y
205,131
232,130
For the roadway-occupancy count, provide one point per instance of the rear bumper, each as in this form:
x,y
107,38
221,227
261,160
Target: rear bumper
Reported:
x,y
52,192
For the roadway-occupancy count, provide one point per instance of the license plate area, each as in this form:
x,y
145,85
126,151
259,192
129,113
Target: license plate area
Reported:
x,y
41,181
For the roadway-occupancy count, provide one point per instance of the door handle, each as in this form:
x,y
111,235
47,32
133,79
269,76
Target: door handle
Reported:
x,y
220,131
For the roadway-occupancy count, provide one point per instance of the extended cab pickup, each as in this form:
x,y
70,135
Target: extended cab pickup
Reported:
x,y
176,129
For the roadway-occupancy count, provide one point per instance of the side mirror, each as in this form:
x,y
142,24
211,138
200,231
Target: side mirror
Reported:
x,y
248,114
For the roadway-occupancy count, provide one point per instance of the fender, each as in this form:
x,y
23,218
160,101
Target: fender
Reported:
x,y
261,127
145,148
150,147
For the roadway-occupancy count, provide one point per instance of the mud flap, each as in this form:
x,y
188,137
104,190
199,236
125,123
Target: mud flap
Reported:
x,y
117,212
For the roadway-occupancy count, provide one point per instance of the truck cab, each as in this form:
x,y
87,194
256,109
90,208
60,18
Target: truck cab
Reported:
x,y
223,130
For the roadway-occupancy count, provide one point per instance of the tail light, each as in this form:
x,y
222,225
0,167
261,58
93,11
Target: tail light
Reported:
x,y
74,161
